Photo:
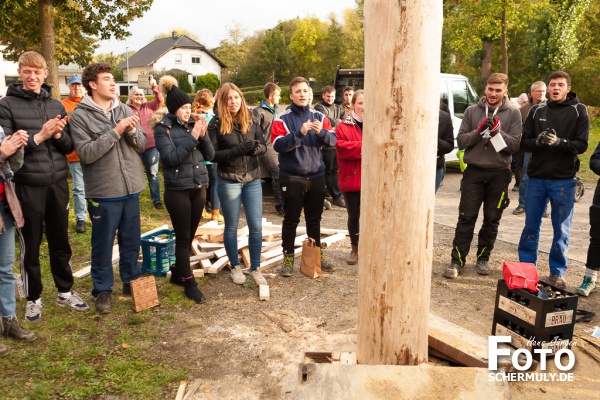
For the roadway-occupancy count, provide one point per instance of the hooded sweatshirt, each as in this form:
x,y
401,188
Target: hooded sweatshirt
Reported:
x,y
479,152
570,120
112,168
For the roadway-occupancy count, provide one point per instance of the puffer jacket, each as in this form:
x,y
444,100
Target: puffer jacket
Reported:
x,y
231,167
111,165
45,163
182,155
479,152
349,153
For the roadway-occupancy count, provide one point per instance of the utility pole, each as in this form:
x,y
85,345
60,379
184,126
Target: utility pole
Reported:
x,y
402,67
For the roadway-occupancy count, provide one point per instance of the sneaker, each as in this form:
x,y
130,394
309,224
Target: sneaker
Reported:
x,y
206,214
33,312
287,269
339,202
12,328
216,216
326,266
238,276
193,293
556,280
587,287
353,257
74,302
326,204
3,350
519,210
258,277
482,267
159,206
126,289
81,226
103,304
546,214
451,271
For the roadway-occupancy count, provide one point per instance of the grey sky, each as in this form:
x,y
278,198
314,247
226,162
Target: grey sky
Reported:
x,y
209,20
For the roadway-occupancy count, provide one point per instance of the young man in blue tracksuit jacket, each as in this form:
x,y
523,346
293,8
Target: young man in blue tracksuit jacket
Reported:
x,y
297,135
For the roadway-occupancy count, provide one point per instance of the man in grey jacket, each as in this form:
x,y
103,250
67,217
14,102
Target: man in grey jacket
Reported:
x,y
108,138
488,173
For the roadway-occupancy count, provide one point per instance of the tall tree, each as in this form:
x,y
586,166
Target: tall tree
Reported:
x,y
563,45
73,26
232,52
306,43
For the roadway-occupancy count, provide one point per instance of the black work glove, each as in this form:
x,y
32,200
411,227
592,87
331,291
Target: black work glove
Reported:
x,y
256,147
539,141
485,125
551,139
247,147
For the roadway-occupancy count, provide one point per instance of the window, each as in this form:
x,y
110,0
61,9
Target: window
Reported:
x,y
460,93
195,59
444,92
177,58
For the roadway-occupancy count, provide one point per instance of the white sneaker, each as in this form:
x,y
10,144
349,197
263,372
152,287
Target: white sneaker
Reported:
x,y
258,277
238,276
74,302
33,312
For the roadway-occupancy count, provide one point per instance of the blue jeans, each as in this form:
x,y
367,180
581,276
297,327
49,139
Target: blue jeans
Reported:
x,y
213,195
524,178
150,160
110,218
7,258
561,193
439,177
78,191
232,195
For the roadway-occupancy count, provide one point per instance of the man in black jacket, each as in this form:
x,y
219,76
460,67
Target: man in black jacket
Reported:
x,y
41,184
555,132
335,114
445,146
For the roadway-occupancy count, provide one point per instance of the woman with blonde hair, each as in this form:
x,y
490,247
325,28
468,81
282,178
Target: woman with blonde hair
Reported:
x,y
238,141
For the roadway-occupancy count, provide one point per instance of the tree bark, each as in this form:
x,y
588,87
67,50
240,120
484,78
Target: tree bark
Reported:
x,y
46,9
402,64
503,41
486,61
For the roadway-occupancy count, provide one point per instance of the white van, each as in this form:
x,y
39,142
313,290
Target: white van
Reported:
x,y
455,91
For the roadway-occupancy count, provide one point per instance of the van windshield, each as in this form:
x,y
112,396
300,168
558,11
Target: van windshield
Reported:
x,y
463,97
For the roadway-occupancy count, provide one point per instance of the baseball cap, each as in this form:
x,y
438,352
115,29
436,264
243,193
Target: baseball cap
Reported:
x,y
76,78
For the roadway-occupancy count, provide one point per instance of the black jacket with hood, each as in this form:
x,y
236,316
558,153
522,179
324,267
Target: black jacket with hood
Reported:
x,y
45,163
570,120
445,138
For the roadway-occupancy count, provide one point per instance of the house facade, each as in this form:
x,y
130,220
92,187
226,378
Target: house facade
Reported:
x,y
177,53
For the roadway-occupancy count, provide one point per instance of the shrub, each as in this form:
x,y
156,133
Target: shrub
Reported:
x,y
207,81
184,83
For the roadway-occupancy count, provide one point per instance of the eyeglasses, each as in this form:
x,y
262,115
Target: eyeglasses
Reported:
x,y
539,91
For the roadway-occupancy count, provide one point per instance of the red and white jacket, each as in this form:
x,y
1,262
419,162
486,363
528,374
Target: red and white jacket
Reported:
x,y
349,150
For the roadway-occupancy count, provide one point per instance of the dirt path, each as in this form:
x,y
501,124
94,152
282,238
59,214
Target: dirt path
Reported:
x,y
238,353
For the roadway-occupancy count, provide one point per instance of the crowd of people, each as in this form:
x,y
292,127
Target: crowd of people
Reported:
x,y
212,149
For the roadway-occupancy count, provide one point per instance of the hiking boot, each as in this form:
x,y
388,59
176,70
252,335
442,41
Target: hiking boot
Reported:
x,y
519,210
176,281
326,204
74,302
587,287
237,275
287,269
482,267
159,206
12,328
33,312
353,257
80,227
556,280
339,202
206,214
280,211
192,292
258,277
103,304
216,216
3,350
325,264
451,271
126,289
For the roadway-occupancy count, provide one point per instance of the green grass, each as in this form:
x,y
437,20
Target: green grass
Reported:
x,y
85,355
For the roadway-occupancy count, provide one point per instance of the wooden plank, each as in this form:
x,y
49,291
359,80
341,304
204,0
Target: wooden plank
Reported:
x,y
272,253
206,246
329,240
205,263
198,273
215,238
220,253
283,326
246,256
210,224
299,239
269,245
208,231
329,231
192,389
181,390
263,292
218,265
196,247
277,260
202,256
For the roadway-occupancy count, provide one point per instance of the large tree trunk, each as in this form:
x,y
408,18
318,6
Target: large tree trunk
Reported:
x,y
503,42
46,8
402,65
486,61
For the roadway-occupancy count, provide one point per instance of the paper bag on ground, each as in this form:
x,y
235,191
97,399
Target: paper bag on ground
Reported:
x,y
310,262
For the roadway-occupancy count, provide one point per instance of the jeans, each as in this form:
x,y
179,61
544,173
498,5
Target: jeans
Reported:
x,y
7,258
110,218
352,200
489,187
298,194
523,183
185,209
78,191
561,193
150,160
331,173
233,195
213,195
439,177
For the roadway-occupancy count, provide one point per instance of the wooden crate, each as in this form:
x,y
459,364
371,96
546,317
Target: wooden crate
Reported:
x,y
143,293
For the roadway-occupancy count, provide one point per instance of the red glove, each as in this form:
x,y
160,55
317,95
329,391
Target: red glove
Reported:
x,y
485,124
495,127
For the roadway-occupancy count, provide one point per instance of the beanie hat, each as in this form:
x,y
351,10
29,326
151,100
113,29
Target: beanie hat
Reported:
x,y
175,96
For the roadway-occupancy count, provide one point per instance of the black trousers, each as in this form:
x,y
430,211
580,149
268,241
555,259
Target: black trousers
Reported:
x,y
352,200
185,209
593,255
331,173
298,194
489,187
45,205
270,162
